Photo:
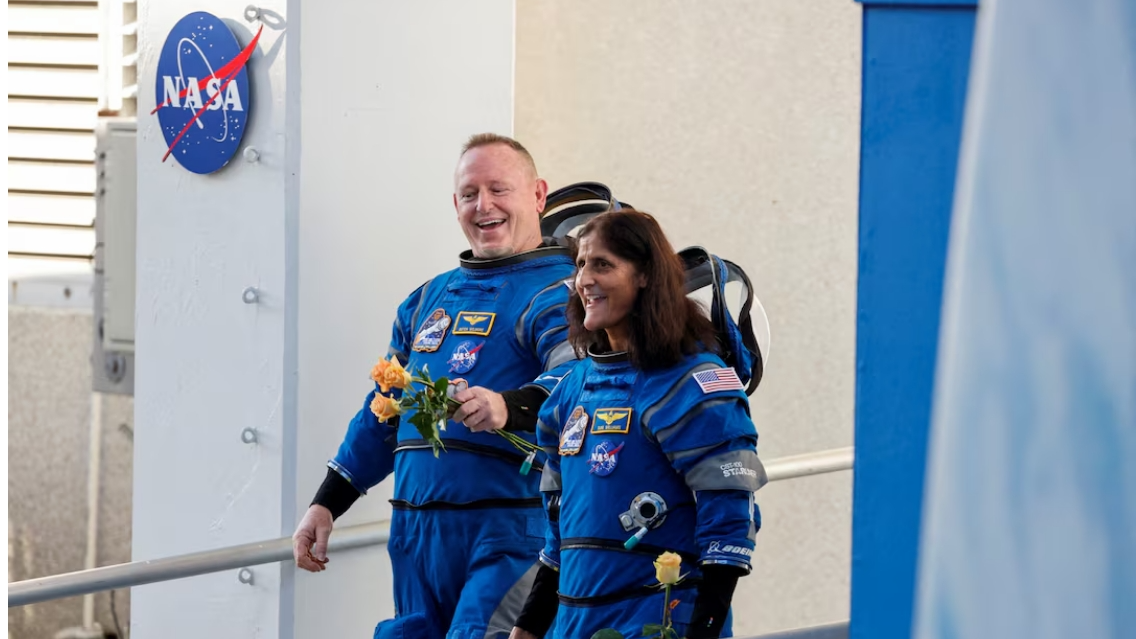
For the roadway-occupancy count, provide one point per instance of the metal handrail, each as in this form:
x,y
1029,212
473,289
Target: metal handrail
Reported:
x,y
22,593
819,463
835,630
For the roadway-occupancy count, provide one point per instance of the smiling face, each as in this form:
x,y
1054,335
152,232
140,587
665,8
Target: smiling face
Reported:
x,y
608,286
498,198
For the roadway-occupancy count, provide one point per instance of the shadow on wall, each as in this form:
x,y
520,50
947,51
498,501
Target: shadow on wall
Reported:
x,y
49,419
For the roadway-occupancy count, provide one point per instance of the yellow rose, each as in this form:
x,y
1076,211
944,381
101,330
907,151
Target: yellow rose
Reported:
x,y
667,568
390,374
385,407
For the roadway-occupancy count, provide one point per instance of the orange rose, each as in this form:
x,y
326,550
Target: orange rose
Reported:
x,y
390,374
667,568
385,407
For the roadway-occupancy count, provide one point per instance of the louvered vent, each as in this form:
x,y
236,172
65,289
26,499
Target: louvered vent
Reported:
x,y
68,62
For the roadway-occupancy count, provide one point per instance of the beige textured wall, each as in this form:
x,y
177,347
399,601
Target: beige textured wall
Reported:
x,y
49,403
737,123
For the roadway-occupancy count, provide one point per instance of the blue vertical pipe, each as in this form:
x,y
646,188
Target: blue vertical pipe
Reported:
x,y
916,58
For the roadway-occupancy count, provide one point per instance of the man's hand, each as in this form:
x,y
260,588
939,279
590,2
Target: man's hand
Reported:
x,y
521,634
481,409
309,542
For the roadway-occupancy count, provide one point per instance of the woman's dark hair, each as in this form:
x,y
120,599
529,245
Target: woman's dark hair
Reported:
x,y
665,325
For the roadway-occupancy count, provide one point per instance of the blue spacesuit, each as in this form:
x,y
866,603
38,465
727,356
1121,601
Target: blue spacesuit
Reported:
x,y
660,460
466,526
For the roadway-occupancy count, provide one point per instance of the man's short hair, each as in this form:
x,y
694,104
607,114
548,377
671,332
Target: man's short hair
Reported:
x,y
487,139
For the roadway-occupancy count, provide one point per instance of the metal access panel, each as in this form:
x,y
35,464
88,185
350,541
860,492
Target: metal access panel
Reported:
x,y
116,202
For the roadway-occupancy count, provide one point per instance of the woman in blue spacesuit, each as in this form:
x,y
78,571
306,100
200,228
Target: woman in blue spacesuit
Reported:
x,y
651,448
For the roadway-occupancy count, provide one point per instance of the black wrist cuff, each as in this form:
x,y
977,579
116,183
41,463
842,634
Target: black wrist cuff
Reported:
x,y
335,494
542,604
712,603
523,405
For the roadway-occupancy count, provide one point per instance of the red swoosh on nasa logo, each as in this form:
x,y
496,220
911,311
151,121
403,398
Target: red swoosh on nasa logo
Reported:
x,y
611,454
241,59
231,68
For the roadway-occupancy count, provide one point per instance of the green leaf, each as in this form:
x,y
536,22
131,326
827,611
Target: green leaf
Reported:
x,y
429,407
607,633
425,427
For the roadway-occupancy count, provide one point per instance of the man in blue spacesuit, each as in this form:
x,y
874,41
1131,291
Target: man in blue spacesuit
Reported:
x,y
466,526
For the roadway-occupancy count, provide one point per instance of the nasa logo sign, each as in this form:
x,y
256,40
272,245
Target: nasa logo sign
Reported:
x,y
202,94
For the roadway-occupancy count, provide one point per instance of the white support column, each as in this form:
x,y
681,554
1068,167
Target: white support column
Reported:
x,y
347,211
208,364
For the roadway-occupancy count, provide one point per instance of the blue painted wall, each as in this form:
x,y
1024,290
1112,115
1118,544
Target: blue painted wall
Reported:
x,y
916,59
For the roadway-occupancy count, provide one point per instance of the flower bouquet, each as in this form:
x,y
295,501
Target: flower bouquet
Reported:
x,y
433,403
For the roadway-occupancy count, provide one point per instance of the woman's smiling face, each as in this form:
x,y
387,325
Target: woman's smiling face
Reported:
x,y
608,287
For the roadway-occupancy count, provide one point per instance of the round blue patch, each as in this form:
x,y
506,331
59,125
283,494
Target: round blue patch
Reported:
x,y
202,92
464,357
604,458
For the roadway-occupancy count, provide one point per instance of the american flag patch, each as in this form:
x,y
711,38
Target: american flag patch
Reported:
x,y
718,379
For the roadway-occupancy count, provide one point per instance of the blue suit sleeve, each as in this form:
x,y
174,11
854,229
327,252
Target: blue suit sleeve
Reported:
x,y
711,441
366,455
727,524
548,437
550,554
542,329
